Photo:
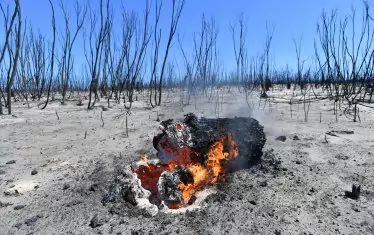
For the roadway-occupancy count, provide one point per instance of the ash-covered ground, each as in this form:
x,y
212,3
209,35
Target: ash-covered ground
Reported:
x,y
53,172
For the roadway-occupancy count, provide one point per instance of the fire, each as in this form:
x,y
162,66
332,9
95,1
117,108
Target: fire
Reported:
x,y
223,150
203,173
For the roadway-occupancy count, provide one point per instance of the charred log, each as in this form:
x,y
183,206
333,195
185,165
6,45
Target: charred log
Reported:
x,y
199,134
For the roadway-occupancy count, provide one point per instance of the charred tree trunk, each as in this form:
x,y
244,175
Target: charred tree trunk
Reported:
x,y
16,56
1,107
52,55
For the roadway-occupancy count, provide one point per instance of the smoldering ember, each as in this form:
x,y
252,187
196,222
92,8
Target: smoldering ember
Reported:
x,y
192,155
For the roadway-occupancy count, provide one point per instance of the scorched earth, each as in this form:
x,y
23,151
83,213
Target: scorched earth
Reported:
x,y
54,171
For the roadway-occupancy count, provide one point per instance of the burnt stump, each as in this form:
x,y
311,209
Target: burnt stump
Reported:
x,y
191,138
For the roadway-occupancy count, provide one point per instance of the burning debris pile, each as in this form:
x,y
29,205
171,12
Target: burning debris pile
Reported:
x,y
191,155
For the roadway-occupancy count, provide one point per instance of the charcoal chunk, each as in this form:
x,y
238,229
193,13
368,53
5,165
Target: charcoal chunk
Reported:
x,y
31,221
128,195
10,162
19,207
281,138
96,221
168,187
355,193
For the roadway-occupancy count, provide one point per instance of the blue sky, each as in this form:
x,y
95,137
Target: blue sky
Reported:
x,y
290,18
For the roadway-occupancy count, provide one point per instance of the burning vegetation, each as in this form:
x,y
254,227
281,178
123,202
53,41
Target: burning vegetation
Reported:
x,y
192,155
176,180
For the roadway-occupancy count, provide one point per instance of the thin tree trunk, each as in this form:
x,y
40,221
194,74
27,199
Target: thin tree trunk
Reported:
x,y
15,62
1,107
52,55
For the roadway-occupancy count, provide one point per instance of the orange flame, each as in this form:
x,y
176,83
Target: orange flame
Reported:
x,y
203,174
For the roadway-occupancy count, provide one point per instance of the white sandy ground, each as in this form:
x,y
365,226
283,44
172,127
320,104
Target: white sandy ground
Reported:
x,y
305,198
